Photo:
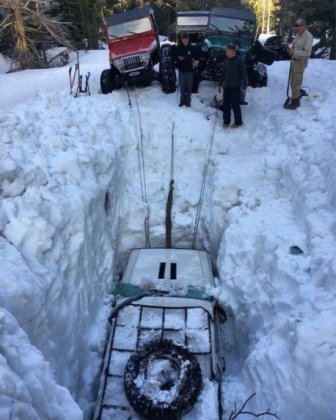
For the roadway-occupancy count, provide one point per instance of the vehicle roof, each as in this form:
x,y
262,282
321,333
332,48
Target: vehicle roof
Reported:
x,y
234,13
193,24
191,267
193,13
129,15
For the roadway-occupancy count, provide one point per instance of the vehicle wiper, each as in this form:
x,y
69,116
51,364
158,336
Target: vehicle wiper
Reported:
x,y
113,36
133,33
235,30
216,27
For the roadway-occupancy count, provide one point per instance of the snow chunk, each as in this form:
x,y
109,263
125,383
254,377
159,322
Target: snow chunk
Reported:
x,y
26,382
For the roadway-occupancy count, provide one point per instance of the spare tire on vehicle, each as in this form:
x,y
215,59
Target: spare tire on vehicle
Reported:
x,y
162,380
167,70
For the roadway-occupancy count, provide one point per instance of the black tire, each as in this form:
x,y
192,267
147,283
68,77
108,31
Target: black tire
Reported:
x,y
146,83
167,70
197,76
183,380
258,75
106,81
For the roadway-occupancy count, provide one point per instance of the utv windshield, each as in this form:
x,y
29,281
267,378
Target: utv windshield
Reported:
x,y
221,24
132,27
192,20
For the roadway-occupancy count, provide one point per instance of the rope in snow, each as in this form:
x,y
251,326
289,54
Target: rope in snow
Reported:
x,y
129,98
205,174
172,154
141,162
169,204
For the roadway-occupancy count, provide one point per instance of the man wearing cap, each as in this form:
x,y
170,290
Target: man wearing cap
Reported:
x,y
234,81
300,51
187,59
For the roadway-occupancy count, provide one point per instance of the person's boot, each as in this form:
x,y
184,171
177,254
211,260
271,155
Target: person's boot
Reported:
x,y
293,104
303,92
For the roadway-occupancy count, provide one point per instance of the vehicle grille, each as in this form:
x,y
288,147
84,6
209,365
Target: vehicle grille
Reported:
x,y
132,62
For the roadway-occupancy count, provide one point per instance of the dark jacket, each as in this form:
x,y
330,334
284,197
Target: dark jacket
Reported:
x,y
188,53
234,73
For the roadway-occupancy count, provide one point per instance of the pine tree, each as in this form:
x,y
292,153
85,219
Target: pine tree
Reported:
x,y
25,27
85,19
263,10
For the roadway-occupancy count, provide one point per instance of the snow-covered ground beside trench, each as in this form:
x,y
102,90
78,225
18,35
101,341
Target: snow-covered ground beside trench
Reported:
x,y
72,206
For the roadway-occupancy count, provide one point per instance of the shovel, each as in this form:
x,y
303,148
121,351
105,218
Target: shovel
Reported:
x,y
287,92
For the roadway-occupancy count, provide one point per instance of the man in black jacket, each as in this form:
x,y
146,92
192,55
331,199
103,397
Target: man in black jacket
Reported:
x,y
234,81
187,59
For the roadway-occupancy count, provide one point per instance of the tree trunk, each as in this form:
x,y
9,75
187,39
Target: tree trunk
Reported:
x,y
283,12
21,44
332,55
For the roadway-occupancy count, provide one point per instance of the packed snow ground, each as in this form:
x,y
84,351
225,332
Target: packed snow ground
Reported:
x,y
73,205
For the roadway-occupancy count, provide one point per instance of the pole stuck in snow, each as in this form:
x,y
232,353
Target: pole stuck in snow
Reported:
x,y
169,204
79,77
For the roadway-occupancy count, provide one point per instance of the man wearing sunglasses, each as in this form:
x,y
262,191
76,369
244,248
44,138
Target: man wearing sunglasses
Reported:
x,y
300,51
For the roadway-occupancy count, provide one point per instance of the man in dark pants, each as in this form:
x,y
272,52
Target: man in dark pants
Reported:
x,y
186,60
234,81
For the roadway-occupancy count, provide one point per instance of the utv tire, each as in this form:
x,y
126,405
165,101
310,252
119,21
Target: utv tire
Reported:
x,y
258,75
106,82
146,84
162,380
167,70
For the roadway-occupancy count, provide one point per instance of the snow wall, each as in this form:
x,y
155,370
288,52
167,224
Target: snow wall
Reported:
x,y
60,198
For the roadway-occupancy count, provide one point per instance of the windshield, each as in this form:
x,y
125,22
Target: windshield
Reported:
x,y
192,20
236,26
132,27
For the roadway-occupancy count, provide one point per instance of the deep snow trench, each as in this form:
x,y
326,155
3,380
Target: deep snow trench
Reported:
x,y
73,206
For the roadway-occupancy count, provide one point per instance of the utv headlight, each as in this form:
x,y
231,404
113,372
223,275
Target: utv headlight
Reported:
x,y
118,62
145,57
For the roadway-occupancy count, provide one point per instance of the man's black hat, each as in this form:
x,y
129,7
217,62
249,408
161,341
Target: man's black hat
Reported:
x,y
231,46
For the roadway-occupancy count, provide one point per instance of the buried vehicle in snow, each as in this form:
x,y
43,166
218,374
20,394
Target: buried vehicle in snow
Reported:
x,y
134,50
163,356
213,30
